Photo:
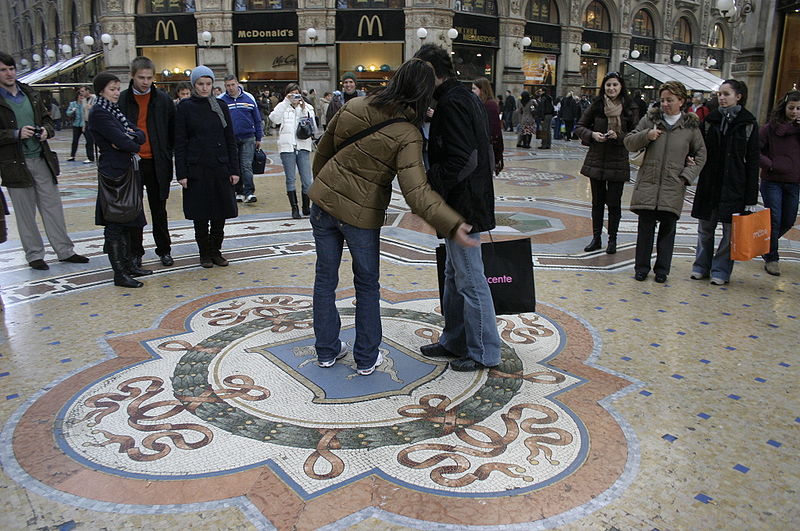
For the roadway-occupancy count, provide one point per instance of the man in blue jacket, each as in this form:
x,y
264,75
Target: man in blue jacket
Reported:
x,y
247,127
461,171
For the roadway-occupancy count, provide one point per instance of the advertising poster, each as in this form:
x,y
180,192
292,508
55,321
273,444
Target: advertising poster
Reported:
x,y
539,68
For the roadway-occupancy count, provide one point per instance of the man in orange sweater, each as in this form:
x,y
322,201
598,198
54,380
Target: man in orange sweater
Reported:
x,y
153,112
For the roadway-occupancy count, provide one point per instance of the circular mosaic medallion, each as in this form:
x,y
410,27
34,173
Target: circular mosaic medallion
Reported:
x,y
531,177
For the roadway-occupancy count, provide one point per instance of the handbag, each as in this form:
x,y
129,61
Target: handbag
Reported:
x,y
259,161
750,235
305,129
637,158
508,267
121,197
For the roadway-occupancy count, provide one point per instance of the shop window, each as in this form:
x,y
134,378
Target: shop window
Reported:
x,y
165,6
717,37
370,4
263,5
542,11
596,17
643,24
483,7
683,32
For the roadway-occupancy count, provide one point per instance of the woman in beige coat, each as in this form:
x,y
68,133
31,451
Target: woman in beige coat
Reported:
x,y
351,190
675,154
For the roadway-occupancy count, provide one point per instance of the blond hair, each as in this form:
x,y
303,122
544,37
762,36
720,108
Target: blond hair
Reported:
x,y
677,88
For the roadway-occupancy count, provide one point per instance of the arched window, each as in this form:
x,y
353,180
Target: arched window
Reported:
x,y
643,24
683,32
263,5
596,17
483,7
717,37
542,11
165,6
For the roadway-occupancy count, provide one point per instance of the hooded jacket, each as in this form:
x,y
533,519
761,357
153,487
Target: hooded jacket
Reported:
x,y
461,158
729,180
13,170
160,131
664,174
355,184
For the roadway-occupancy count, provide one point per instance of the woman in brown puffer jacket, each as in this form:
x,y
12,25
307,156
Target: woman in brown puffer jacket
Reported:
x,y
675,154
351,190
602,127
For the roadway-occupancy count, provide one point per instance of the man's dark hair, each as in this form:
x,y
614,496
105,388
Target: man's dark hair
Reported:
x,y
142,63
229,77
182,85
411,86
7,60
439,58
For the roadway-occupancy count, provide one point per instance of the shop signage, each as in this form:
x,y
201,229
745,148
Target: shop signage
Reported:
x,y
684,50
165,30
264,27
600,41
718,56
475,30
544,37
355,25
646,48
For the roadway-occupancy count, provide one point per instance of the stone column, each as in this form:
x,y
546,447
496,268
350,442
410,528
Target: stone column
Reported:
x,y
218,55
620,50
509,75
120,52
318,58
571,40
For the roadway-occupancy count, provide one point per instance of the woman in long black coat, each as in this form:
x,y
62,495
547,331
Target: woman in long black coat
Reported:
x,y
602,127
118,141
206,165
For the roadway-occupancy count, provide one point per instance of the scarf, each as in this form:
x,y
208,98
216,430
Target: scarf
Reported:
x,y
613,111
729,114
115,111
214,102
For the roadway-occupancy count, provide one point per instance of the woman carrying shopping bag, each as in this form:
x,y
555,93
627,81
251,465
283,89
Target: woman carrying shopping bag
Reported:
x,y
292,114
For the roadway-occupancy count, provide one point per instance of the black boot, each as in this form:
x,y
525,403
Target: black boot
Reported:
x,y
135,267
595,244
613,226
526,143
215,242
612,244
306,205
117,250
293,202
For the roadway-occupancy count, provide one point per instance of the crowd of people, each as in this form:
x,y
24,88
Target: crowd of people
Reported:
x,y
443,142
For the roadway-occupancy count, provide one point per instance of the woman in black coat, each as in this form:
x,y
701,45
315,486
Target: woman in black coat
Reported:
x,y
729,181
602,127
118,141
206,165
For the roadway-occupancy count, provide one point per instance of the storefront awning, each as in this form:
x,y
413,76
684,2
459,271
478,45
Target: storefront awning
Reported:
x,y
693,78
61,67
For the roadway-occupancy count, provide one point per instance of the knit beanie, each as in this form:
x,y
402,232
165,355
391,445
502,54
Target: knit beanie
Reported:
x,y
348,75
201,71
101,80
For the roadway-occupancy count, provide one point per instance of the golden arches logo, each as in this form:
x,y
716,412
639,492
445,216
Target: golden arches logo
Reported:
x,y
371,22
164,27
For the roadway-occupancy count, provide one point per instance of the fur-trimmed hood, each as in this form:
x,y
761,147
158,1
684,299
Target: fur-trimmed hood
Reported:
x,y
688,119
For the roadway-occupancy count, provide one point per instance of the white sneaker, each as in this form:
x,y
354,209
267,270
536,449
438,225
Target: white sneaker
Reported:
x,y
251,198
239,198
696,276
331,363
718,281
87,161
367,372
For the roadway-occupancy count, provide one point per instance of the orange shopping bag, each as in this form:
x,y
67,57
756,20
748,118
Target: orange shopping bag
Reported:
x,y
750,235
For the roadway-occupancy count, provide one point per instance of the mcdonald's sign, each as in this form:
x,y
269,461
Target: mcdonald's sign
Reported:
x,y
165,29
361,25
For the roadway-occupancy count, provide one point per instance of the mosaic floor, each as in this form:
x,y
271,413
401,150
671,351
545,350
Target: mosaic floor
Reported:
x,y
194,402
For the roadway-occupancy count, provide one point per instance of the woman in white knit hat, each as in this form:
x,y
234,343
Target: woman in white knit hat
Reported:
x,y
206,165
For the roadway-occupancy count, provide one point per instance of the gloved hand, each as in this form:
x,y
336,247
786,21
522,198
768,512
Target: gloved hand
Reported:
x,y
750,208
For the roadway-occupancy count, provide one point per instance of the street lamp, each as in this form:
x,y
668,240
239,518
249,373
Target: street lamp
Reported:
x,y
422,33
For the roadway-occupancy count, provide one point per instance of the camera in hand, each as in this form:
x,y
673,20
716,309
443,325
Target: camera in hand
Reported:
x,y
297,97
37,132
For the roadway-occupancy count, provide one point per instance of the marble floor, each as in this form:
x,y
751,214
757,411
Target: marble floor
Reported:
x,y
194,402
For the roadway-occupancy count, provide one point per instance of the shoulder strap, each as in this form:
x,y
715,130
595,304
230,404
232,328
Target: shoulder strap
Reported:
x,y
368,131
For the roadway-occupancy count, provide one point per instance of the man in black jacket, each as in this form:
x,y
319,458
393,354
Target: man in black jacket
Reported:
x,y
153,112
544,112
461,166
509,106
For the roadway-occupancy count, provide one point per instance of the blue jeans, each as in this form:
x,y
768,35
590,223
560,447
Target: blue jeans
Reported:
x,y
707,262
781,199
300,160
470,324
364,245
247,148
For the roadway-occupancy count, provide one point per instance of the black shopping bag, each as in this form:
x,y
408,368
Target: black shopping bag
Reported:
x,y
508,267
259,161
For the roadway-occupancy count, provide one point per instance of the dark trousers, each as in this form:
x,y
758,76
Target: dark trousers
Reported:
x,y
606,193
508,120
76,136
158,213
209,233
664,244
569,125
547,132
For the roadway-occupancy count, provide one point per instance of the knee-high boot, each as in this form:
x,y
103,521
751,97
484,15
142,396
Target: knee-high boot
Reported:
x,y
597,231
306,205
613,227
293,202
215,242
118,256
